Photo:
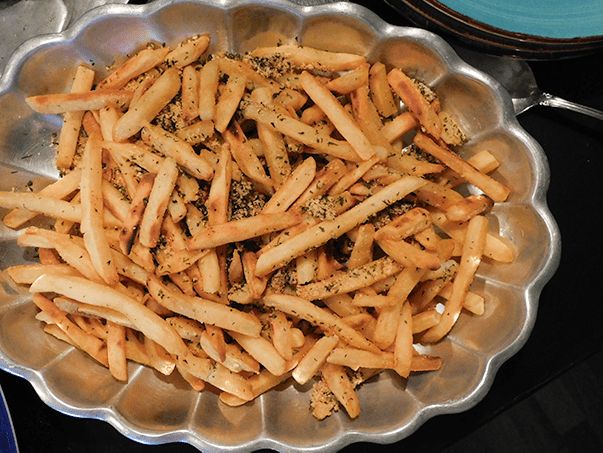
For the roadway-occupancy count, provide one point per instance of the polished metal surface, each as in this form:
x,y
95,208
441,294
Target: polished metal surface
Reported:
x,y
152,408
24,19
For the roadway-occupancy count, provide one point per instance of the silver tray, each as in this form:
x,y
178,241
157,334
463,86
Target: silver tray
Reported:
x,y
156,409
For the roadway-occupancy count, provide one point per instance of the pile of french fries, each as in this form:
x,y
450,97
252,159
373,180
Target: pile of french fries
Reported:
x,y
247,219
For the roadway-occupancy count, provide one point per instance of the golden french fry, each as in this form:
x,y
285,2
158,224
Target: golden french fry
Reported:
x,y
58,190
241,230
292,187
131,222
339,383
208,87
143,318
349,81
342,120
415,101
188,51
159,197
324,231
70,102
494,189
92,345
143,61
380,90
362,253
309,365
309,58
263,351
148,106
473,249
72,121
297,306
229,100
204,311
177,149
116,351
92,212
469,207
350,280
295,129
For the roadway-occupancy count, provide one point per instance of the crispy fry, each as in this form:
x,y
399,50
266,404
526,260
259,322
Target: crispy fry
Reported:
x,y
495,190
71,102
472,254
163,185
204,311
297,306
143,61
324,231
415,101
338,115
92,212
148,106
309,58
240,230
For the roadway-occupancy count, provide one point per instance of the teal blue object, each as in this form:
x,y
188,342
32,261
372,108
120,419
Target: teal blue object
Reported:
x,y
559,19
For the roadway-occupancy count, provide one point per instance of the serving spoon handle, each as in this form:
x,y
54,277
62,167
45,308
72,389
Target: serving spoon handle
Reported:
x,y
549,100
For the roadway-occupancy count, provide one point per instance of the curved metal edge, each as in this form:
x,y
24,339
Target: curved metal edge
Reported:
x,y
382,29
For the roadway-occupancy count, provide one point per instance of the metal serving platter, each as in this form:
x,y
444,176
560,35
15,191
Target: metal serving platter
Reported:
x,y
156,409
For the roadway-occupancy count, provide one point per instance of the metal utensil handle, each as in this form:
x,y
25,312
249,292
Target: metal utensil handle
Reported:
x,y
555,101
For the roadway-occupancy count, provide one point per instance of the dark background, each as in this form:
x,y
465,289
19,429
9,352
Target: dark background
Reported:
x,y
568,327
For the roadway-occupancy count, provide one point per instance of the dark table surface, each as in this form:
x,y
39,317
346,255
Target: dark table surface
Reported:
x,y
568,327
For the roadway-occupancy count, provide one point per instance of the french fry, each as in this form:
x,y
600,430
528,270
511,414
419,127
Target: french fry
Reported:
x,y
243,229
350,280
324,231
403,349
188,51
339,383
177,149
58,190
380,90
92,345
297,306
350,81
469,207
472,254
292,187
204,311
26,274
338,115
148,106
297,130
309,365
92,212
495,190
131,223
96,294
143,61
163,185
309,58
228,101
72,121
75,102
116,351
263,351
415,101
208,88
363,246
40,204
